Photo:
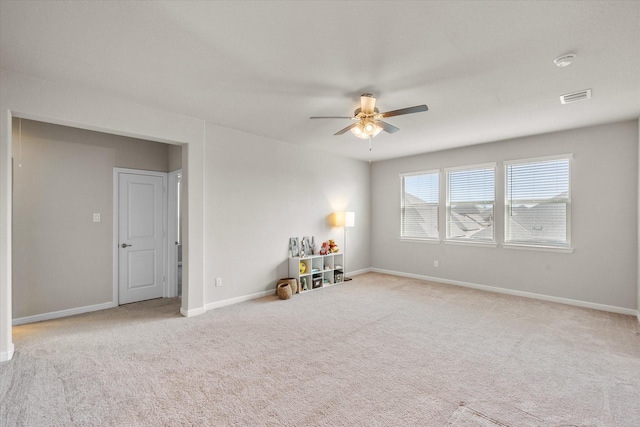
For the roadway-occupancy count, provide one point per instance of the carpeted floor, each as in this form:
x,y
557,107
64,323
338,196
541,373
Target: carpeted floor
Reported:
x,y
377,351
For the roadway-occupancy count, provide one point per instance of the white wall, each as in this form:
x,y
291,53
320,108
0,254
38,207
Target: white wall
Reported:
x,y
638,259
603,267
261,192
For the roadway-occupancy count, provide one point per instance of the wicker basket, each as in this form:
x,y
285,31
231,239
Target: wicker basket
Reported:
x,y
284,291
292,283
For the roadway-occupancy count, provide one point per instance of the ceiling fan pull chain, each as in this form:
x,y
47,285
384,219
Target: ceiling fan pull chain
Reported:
x,y
369,143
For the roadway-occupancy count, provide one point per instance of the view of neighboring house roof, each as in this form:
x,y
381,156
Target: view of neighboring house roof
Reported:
x,y
469,220
420,218
542,222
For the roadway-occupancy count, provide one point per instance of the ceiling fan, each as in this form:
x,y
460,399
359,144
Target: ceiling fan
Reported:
x,y
368,119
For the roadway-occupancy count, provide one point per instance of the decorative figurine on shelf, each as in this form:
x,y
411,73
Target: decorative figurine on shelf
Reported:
x,y
303,281
325,248
303,267
333,248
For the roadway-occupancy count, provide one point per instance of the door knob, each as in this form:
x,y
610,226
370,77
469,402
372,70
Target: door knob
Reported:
x,y
124,245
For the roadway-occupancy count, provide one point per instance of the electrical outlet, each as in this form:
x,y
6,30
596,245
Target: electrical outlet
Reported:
x,y
218,281
96,217
435,263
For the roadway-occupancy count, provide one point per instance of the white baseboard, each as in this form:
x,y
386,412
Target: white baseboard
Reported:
x,y
192,312
63,313
236,300
5,356
578,303
357,272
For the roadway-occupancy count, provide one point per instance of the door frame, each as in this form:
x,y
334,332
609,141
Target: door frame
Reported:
x,y
116,227
174,179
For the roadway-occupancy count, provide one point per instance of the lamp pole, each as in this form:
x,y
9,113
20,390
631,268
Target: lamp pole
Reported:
x,y
349,221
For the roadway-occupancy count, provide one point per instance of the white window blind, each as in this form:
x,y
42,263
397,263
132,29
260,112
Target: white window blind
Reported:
x,y
538,202
470,204
419,205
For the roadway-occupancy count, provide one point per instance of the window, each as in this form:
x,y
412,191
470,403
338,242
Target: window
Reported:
x,y
538,202
419,205
470,203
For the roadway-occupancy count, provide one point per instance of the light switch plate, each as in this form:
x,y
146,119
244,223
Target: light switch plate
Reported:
x,y
96,217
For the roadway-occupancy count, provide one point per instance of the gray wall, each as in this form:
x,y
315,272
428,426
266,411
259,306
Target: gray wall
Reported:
x,y
604,223
175,157
61,258
259,193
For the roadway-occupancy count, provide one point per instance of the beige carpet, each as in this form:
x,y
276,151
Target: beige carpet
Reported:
x,y
377,351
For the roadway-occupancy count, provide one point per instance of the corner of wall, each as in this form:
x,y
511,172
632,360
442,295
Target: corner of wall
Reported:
x,y
5,356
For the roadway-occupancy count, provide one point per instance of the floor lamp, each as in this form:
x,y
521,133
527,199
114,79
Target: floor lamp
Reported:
x,y
345,219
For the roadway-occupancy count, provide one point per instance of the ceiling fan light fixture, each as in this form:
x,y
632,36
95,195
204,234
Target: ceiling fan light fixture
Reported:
x,y
359,131
366,129
369,119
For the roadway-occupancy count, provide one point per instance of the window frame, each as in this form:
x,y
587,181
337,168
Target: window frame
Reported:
x,y
470,241
437,205
544,246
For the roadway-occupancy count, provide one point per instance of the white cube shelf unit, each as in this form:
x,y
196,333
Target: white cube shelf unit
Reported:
x,y
320,270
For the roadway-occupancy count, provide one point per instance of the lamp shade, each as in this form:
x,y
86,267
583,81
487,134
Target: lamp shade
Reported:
x,y
344,219
349,219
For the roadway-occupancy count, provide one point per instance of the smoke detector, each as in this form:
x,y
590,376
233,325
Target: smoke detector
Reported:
x,y
564,60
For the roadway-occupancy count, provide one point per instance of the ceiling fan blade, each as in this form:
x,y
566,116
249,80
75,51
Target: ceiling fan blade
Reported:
x,y
400,112
332,117
347,129
387,127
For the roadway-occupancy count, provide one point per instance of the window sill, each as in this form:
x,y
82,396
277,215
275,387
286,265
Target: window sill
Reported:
x,y
418,240
541,248
471,243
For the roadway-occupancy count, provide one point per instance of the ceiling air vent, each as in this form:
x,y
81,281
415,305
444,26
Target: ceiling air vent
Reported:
x,y
575,96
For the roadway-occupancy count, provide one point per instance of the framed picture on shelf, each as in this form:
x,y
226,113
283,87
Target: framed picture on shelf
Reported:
x,y
294,247
306,246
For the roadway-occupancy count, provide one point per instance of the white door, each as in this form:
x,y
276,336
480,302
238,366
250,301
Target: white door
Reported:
x,y
140,237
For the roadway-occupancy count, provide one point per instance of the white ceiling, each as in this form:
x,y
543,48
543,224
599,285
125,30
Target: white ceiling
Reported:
x,y
484,68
